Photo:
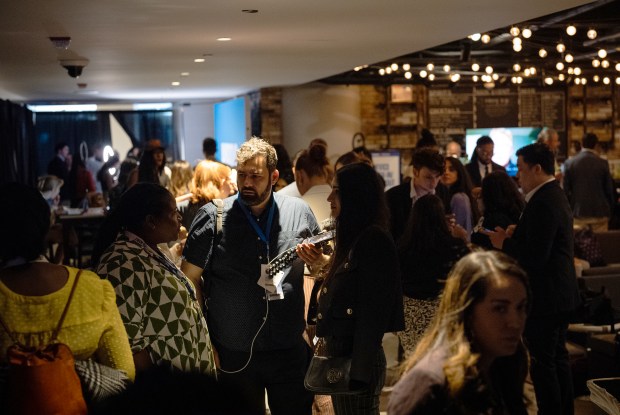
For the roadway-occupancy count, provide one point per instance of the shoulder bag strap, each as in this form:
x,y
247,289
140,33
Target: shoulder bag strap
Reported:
x,y
64,312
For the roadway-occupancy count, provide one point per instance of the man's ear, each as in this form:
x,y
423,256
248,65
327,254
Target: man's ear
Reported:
x,y
416,172
275,175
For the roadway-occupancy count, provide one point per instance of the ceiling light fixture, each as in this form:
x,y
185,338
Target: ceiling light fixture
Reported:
x,y
388,70
446,68
516,67
431,77
595,78
577,81
423,74
60,42
591,34
561,77
430,66
584,81
475,67
533,70
517,41
408,75
577,71
549,80
605,63
223,39
406,66
475,78
514,30
618,67
596,63
571,30
175,83
542,53
606,81
526,33
568,58
560,47
495,77
618,80
394,67
485,38
455,77
570,70
602,53
559,66
381,71
199,60
517,47
475,37
489,69
527,72
184,73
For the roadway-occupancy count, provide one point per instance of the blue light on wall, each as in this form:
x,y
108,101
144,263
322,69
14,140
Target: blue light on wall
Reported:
x,y
229,127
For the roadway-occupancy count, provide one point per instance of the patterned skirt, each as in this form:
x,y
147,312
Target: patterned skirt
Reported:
x,y
418,317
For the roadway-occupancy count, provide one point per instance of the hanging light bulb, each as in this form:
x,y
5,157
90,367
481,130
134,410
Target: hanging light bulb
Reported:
x,y
570,70
606,81
394,67
431,77
596,78
475,78
568,58
527,72
571,30
495,77
605,63
423,73
475,37
516,67
519,80
577,71
489,69
584,81
388,70
602,53
542,53
533,70
559,66
517,41
514,30
591,34
561,77
406,66
527,33
560,47
618,80
446,68
517,47
577,81
618,67
381,71
408,75
549,80
513,79
475,67
596,63
455,77
430,66
485,38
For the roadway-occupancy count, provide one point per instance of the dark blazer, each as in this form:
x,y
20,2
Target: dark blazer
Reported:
x,y
588,185
59,168
474,171
363,300
543,245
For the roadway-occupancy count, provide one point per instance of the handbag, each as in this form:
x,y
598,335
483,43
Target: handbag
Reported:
x,y
43,380
329,375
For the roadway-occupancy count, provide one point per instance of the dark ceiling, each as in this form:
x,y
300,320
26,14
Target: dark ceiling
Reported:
x,y
546,32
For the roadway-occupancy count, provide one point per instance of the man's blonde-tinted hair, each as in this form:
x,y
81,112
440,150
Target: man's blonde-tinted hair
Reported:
x,y
255,147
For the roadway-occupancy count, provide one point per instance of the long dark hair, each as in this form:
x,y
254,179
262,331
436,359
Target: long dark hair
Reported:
x,y
462,185
135,205
427,228
24,220
501,195
148,171
362,204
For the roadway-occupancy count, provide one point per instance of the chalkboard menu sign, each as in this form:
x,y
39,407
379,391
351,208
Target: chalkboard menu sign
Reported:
x,y
450,111
541,109
498,107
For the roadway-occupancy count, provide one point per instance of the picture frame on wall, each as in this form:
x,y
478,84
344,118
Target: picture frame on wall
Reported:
x,y
401,93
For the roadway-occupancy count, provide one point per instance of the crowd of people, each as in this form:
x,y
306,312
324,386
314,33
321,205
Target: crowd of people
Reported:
x,y
207,272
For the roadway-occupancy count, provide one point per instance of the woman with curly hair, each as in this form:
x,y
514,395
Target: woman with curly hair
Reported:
x,y
472,360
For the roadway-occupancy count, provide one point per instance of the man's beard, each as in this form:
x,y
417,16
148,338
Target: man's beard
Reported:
x,y
255,199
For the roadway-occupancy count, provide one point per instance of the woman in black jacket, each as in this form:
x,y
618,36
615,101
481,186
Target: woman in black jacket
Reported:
x,y
361,297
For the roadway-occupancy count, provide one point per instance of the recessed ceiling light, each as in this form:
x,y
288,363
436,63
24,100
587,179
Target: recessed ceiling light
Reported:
x,y
175,83
199,60
224,39
184,73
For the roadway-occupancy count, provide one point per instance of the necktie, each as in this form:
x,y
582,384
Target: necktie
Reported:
x,y
487,170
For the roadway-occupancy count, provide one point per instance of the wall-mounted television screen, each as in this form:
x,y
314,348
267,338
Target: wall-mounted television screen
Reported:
x,y
507,142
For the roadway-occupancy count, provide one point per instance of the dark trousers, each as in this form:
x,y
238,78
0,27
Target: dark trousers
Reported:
x,y
280,372
550,368
366,403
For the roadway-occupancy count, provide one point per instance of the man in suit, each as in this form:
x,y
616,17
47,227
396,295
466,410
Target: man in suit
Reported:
x,y
60,166
542,242
428,166
481,163
589,186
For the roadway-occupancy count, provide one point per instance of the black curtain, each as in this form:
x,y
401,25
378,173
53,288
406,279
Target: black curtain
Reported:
x,y
72,128
17,136
142,126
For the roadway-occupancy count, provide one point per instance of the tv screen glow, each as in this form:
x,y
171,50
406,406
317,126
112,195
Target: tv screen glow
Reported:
x,y
507,142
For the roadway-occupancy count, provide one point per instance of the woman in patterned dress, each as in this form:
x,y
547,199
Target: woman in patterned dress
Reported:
x,y
157,301
427,252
